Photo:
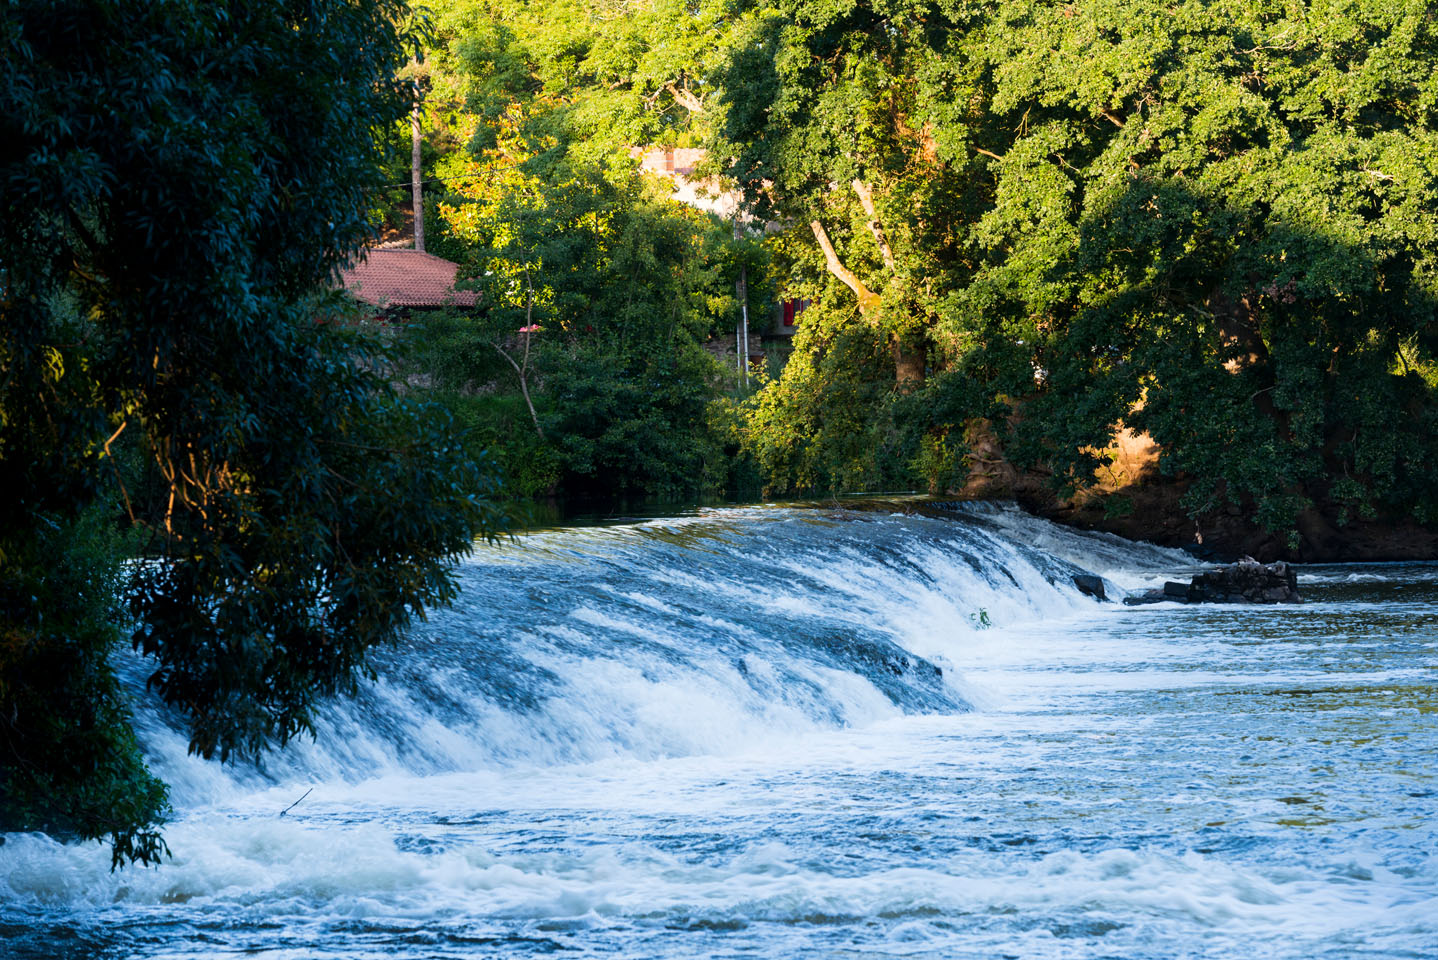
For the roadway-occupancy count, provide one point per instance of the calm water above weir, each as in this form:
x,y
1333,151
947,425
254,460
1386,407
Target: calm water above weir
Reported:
x,y
783,733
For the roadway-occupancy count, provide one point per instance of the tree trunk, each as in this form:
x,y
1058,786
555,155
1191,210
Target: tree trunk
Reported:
x,y
416,183
743,291
910,357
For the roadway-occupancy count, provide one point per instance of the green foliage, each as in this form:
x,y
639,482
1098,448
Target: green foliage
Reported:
x,y
820,427
1243,254
59,697
596,291
181,179
615,75
348,506
1212,221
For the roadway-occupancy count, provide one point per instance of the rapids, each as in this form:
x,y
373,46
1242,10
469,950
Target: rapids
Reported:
x,y
781,732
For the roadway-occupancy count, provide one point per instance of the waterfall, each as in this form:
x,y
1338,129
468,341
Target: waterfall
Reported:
x,y
810,732
673,637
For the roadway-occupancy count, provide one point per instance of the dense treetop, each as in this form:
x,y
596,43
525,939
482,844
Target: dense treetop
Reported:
x,y
1213,221
1210,221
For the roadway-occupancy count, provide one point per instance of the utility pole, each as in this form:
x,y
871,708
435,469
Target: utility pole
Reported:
x,y
744,324
416,181
741,336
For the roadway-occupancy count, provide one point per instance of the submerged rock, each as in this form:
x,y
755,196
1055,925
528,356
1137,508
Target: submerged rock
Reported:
x,y
1247,581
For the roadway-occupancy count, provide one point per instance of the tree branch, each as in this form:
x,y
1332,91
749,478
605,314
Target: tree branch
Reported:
x,y
129,510
868,300
297,802
685,98
866,197
528,328
523,370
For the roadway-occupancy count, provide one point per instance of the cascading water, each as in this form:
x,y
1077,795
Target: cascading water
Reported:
x,y
671,638
782,731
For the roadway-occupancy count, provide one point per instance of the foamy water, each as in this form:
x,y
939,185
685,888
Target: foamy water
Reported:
x,y
776,733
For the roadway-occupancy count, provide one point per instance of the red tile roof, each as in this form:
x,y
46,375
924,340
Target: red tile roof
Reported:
x,y
405,278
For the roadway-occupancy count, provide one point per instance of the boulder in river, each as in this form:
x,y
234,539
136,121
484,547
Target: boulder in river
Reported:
x,y
1247,581
1089,585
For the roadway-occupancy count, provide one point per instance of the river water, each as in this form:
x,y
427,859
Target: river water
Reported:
x,y
803,733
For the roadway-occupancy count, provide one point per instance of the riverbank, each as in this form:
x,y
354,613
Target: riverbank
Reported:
x,y
1129,496
1153,513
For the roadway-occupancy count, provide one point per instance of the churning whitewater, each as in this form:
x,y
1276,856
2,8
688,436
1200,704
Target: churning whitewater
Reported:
x,y
782,732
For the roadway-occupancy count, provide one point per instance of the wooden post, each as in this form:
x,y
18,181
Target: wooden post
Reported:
x,y
416,183
744,323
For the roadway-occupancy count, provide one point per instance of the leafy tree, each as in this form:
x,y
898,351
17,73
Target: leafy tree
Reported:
x,y
616,286
181,180
1213,221
1247,256
616,75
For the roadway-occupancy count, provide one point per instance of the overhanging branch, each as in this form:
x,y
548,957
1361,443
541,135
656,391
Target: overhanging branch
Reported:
x,y
868,300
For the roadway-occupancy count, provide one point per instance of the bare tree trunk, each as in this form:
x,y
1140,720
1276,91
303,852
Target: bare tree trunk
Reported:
x,y
416,183
910,358
866,198
743,289
523,368
868,300
910,354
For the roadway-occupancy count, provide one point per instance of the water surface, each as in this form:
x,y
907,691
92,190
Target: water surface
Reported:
x,y
784,733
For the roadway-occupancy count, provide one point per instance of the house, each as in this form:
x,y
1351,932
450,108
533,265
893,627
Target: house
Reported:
x,y
678,165
774,327
405,279
789,313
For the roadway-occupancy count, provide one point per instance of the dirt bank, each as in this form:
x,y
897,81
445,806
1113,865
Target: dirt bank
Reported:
x,y
1131,498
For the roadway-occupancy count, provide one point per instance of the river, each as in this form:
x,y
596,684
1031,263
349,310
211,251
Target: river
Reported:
x,y
782,732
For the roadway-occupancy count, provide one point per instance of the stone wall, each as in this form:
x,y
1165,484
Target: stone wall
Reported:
x,y
723,349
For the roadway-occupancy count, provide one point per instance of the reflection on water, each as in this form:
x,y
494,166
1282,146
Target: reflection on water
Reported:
x,y
783,733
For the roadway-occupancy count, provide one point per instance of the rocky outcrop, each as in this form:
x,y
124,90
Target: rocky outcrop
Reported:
x,y
1247,581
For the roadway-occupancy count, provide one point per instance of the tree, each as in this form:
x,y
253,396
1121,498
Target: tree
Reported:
x,y
617,286
617,74
1213,221
1235,247
181,181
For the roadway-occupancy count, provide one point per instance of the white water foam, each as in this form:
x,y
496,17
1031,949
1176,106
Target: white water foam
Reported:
x,y
743,734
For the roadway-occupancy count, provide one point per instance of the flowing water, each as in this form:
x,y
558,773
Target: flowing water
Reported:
x,y
795,733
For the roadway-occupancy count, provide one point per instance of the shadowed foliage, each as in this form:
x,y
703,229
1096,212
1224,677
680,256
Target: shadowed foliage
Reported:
x,y
181,180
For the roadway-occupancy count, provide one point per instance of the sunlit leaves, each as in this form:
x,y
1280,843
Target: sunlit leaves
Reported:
x,y
1223,208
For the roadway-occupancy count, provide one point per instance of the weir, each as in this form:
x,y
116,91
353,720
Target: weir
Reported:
x,y
681,636
784,732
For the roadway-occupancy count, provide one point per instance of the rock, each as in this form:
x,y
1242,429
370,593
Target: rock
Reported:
x,y
1090,586
1200,552
1177,591
1247,581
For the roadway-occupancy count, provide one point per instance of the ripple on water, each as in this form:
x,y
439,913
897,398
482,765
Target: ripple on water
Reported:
x,y
610,752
